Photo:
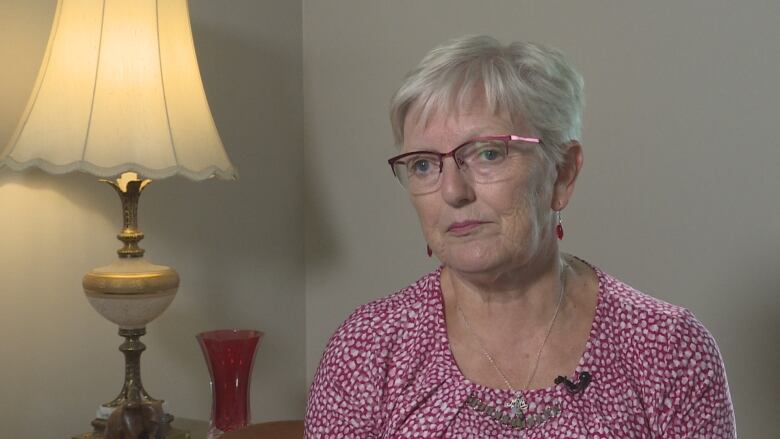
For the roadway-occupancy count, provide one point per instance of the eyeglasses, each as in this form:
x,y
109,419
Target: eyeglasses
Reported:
x,y
482,160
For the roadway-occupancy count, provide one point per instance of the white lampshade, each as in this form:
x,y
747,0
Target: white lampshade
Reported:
x,y
119,90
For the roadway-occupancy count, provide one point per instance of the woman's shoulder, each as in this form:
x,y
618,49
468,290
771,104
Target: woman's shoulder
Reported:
x,y
625,302
651,329
670,354
398,312
349,392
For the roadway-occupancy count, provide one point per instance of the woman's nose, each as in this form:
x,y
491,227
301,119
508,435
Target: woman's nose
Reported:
x,y
456,189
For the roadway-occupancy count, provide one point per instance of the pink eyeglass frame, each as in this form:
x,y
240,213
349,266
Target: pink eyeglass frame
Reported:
x,y
505,138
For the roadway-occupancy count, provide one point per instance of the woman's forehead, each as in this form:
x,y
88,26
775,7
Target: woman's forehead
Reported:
x,y
454,125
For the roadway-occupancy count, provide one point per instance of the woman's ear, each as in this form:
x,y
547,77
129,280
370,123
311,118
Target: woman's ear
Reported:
x,y
567,172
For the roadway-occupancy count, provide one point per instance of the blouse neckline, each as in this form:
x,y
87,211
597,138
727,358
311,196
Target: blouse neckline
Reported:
x,y
537,394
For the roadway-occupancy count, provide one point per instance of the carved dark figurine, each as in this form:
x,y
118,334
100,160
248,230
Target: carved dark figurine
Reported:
x,y
135,421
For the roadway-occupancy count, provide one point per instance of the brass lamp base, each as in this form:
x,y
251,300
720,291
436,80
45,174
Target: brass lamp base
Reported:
x,y
131,292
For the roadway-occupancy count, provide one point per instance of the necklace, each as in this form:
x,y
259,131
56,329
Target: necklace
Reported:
x,y
518,405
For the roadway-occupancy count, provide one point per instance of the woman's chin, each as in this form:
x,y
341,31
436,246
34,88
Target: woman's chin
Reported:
x,y
472,259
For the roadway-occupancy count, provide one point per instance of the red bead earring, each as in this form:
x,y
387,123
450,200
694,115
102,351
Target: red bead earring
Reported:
x,y
559,226
430,252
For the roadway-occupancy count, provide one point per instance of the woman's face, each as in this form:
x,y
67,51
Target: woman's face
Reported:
x,y
491,227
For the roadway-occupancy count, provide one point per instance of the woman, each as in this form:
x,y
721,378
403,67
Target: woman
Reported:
x,y
509,337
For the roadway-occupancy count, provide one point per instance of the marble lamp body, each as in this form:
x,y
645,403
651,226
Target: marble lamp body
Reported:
x,y
131,292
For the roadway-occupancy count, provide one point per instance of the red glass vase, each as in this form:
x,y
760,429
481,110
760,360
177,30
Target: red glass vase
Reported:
x,y
230,355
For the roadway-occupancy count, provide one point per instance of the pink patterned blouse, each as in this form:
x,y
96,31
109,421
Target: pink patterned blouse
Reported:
x,y
388,372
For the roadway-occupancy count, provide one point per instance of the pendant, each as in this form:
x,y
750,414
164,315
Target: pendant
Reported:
x,y
520,420
518,405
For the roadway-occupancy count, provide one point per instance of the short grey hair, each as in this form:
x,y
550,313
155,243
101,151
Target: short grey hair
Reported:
x,y
529,81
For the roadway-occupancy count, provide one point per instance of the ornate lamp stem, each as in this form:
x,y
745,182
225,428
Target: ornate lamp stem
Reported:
x,y
129,188
133,390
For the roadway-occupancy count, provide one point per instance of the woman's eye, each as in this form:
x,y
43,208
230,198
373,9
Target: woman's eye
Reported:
x,y
420,166
490,154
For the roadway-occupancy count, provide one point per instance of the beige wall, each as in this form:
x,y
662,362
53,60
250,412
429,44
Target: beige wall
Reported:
x,y
238,246
679,194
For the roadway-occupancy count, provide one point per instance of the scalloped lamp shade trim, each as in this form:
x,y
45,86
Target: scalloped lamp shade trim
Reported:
x,y
119,90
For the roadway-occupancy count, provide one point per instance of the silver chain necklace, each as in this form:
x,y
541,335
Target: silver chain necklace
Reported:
x,y
518,405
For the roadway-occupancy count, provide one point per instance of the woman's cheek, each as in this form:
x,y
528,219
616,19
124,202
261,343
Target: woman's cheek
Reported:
x,y
518,229
521,222
429,219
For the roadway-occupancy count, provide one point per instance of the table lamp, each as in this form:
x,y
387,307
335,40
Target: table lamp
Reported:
x,y
119,96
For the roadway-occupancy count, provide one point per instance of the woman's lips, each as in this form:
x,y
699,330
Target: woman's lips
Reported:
x,y
463,228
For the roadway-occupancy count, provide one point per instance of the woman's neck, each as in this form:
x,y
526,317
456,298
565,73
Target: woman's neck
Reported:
x,y
513,300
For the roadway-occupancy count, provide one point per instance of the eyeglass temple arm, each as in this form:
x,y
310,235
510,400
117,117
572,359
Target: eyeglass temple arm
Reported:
x,y
525,139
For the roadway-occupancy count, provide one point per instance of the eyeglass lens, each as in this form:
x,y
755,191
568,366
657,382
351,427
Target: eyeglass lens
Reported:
x,y
482,161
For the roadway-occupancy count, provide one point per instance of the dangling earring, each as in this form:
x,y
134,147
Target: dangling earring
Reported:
x,y
430,252
559,226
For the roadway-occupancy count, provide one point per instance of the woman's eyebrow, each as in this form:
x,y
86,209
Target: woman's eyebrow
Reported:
x,y
418,149
470,135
